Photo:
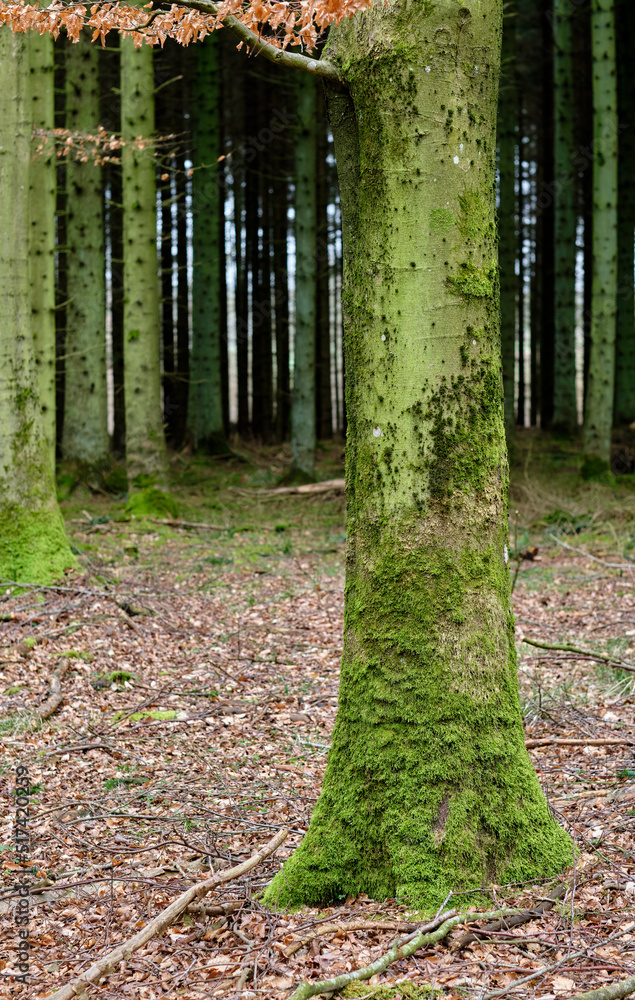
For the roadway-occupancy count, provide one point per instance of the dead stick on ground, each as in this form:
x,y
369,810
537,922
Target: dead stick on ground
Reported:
x,y
426,935
609,742
56,697
587,555
186,524
612,992
109,962
613,661
352,925
520,918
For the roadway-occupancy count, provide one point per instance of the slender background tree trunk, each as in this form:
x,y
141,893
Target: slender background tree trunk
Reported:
x,y
145,441
85,435
601,386
303,405
565,411
42,199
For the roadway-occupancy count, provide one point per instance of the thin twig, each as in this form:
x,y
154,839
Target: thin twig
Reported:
x,y
351,925
588,555
613,661
553,741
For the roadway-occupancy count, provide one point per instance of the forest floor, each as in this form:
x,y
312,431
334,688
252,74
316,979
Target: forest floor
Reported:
x,y
199,672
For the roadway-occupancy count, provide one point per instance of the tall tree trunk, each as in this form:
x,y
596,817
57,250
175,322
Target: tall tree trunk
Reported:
x,y
546,207
115,226
182,374
145,441
167,306
280,236
507,243
565,409
625,347
601,388
85,434
33,544
205,404
323,401
303,406
522,385
42,184
429,787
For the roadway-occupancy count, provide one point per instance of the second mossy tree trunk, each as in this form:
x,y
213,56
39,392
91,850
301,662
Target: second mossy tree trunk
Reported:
x,y
85,430
598,418
145,440
33,544
565,410
303,397
429,787
205,404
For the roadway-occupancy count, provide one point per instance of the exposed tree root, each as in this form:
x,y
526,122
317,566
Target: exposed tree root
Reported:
x,y
122,952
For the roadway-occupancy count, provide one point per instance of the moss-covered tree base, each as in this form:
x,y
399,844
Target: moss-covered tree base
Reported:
x,y
429,788
508,835
33,546
151,502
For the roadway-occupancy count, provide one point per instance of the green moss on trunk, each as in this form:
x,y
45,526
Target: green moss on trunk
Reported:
x,y
429,787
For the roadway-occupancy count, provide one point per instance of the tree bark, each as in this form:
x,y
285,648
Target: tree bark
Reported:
x,y
205,404
565,409
85,434
42,184
145,441
507,242
625,346
303,404
33,544
429,787
601,387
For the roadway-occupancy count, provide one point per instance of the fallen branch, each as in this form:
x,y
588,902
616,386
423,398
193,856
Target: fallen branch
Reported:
x,y
611,992
186,524
56,696
430,933
613,661
587,555
306,489
520,918
609,742
122,952
351,925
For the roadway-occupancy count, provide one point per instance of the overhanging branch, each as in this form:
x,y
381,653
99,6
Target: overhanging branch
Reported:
x,y
260,47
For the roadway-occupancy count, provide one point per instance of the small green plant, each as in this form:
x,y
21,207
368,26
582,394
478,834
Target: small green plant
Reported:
x,y
122,782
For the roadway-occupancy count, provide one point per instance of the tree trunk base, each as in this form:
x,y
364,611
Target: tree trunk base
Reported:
x,y
421,807
33,546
